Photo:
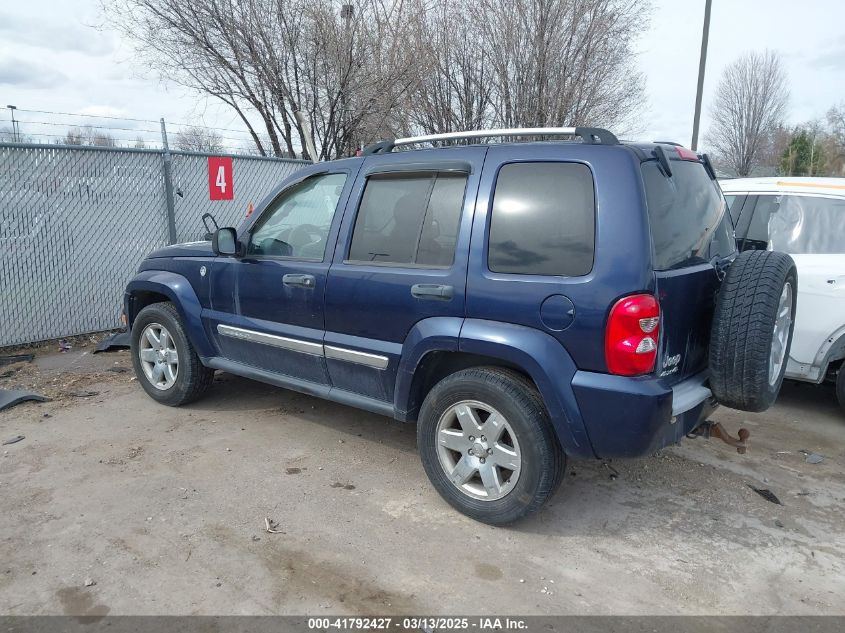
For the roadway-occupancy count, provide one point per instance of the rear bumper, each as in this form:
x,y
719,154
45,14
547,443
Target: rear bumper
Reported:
x,y
632,417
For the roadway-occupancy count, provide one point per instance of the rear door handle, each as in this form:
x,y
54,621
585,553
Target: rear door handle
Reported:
x,y
303,281
432,291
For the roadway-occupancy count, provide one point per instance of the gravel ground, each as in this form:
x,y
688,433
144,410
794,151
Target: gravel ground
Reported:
x,y
113,504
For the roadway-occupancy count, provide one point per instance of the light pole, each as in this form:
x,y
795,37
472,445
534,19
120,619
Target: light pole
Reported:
x,y
14,124
701,64
347,12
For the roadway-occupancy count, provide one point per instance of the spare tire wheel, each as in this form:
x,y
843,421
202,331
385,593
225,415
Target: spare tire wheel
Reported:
x,y
752,330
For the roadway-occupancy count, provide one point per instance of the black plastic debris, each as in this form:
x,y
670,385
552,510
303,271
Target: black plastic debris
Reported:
x,y
16,358
11,397
767,494
14,440
119,340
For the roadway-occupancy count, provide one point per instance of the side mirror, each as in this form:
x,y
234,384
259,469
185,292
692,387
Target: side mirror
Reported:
x,y
225,241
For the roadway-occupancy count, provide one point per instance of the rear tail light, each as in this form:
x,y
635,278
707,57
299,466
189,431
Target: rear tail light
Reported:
x,y
632,334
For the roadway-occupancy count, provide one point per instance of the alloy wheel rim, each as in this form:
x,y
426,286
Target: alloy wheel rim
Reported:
x,y
478,450
158,356
780,334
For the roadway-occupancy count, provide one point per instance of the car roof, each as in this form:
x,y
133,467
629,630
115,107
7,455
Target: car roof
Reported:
x,y
833,187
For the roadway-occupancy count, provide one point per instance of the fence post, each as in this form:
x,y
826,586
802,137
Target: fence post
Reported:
x,y
168,185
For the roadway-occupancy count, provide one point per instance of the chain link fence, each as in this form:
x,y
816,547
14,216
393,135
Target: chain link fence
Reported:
x,y
75,222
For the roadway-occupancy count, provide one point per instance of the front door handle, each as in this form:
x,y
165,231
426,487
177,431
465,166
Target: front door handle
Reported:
x,y
303,281
432,291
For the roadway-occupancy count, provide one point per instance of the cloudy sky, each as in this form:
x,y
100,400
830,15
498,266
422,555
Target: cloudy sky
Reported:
x,y
53,59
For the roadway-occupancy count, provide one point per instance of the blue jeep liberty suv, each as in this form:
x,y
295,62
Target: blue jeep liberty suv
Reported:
x,y
571,296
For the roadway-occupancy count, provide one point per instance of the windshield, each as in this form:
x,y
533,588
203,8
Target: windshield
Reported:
x,y
806,225
687,215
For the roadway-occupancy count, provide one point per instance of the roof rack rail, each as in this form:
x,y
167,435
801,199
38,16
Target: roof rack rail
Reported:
x,y
591,135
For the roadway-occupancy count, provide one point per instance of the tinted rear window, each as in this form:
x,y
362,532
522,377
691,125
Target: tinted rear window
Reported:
x,y
686,214
543,220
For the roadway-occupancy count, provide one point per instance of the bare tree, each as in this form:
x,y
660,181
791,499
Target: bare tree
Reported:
x,y
454,81
365,69
198,139
89,135
563,62
749,106
345,70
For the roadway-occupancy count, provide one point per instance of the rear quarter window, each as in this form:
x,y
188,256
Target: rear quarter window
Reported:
x,y
687,215
543,220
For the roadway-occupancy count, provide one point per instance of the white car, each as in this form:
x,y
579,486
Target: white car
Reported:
x,y
804,217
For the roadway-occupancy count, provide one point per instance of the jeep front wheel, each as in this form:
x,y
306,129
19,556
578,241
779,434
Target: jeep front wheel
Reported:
x,y
165,362
487,445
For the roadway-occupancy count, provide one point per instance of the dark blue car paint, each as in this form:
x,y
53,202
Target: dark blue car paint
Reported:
x,y
552,328
373,302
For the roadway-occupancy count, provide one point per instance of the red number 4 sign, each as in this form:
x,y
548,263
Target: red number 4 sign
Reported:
x,y
220,182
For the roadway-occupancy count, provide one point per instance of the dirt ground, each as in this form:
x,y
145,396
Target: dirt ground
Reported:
x,y
113,504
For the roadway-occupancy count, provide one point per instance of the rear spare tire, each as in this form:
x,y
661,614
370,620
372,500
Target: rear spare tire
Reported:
x,y
752,330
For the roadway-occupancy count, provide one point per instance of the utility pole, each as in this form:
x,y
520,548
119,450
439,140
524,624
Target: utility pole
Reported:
x,y
15,134
701,64
346,13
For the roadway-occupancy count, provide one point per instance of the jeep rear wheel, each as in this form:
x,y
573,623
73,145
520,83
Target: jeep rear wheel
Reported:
x,y
487,445
752,330
165,362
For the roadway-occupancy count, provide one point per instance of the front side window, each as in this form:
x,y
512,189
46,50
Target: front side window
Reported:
x,y
409,219
297,223
543,220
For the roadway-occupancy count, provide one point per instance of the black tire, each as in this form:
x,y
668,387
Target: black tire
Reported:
x,y
192,377
840,386
515,398
741,337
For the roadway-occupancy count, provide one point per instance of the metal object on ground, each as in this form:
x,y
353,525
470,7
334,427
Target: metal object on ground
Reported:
x,y
119,340
11,397
16,358
715,429
767,494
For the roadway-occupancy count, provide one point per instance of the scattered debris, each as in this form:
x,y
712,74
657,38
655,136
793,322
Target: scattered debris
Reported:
x,y
90,582
814,458
120,340
11,397
82,394
271,527
14,440
9,373
613,472
118,370
337,484
293,471
779,523
64,346
16,358
255,537
767,494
